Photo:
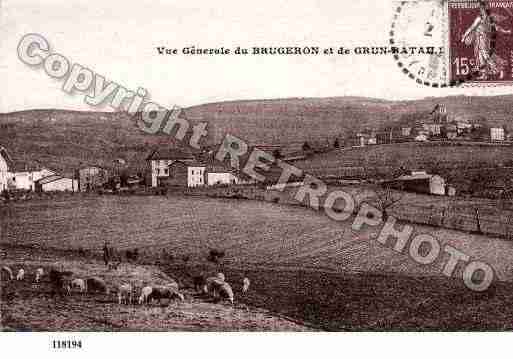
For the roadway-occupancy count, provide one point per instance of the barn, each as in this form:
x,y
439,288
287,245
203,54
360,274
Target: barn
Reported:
x,y
55,183
420,182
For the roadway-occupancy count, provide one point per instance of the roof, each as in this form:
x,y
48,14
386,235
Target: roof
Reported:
x,y
50,179
5,155
210,166
170,154
417,176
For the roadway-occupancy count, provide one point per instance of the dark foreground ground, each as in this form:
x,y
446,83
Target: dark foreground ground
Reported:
x,y
278,300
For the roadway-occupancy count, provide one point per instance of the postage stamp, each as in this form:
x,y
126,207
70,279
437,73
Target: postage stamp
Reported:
x,y
480,41
472,39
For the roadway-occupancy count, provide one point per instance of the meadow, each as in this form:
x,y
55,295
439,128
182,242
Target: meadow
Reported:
x,y
303,265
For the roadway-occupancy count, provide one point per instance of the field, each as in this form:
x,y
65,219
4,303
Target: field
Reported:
x,y
413,156
307,271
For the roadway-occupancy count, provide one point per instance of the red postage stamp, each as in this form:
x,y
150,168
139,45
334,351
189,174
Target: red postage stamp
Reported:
x,y
480,41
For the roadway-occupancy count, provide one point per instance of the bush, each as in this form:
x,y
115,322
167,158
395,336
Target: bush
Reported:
x,y
215,255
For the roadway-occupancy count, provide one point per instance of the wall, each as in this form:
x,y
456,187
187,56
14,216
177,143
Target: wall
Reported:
x,y
177,176
21,180
216,178
63,184
3,173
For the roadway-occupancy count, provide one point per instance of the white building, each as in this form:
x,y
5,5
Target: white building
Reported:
x,y
5,162
195,175
25,180
221,177
56,183
497,134
210,175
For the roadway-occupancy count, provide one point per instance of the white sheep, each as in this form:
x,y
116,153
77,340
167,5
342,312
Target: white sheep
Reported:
x,y
125,294
245,284
39,274
21,274
145,294
8,271
212,284
79,284
226,292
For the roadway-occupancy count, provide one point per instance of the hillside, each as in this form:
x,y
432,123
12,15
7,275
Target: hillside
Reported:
x,y
64,139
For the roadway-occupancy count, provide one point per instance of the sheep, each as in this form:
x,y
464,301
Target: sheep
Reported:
x,y
245,284
211,285
8,271
218,288
199,282
66,285
164,292
125,294
60,280
79,284
226,292
145,293
39,274
97,284
21,274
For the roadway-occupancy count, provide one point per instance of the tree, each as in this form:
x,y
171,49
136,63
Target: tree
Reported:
x,y
277,153
306,147
386,198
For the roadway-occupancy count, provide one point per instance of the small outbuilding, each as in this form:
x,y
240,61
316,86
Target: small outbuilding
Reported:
x,y
55,183
420,182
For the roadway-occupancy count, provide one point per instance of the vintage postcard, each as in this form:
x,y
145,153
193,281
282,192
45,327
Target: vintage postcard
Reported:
x,y
312,166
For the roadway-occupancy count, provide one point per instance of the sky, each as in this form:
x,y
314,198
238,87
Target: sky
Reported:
x,y
118,40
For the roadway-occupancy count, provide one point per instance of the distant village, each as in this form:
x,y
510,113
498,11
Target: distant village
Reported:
x,y
437,126
178,167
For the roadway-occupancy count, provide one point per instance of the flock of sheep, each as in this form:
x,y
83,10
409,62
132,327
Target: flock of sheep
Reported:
x,y
215,286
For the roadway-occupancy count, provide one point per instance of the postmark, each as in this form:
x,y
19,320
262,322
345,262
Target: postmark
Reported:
x,y
474,39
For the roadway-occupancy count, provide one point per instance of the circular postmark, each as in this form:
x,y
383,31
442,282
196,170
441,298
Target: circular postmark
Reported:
x,y
420,33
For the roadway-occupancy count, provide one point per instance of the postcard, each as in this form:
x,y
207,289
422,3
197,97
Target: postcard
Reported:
x,y
311,166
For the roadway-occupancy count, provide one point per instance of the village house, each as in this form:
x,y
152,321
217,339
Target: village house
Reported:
x,y
24,177
92,177
497,134
54,183
162,169
432,128
219,175
5,163
196,174
405,131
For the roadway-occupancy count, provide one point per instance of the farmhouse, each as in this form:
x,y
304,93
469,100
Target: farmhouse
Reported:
x,y
195,174
420,182
161,162
56,183
24,178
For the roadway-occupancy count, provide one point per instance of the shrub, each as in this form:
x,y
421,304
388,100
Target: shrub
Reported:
x,y
215,255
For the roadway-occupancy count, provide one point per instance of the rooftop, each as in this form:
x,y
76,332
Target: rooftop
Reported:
x,y
170,154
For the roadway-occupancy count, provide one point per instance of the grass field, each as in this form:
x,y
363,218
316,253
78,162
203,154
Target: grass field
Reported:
x,y
413,156
302,264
